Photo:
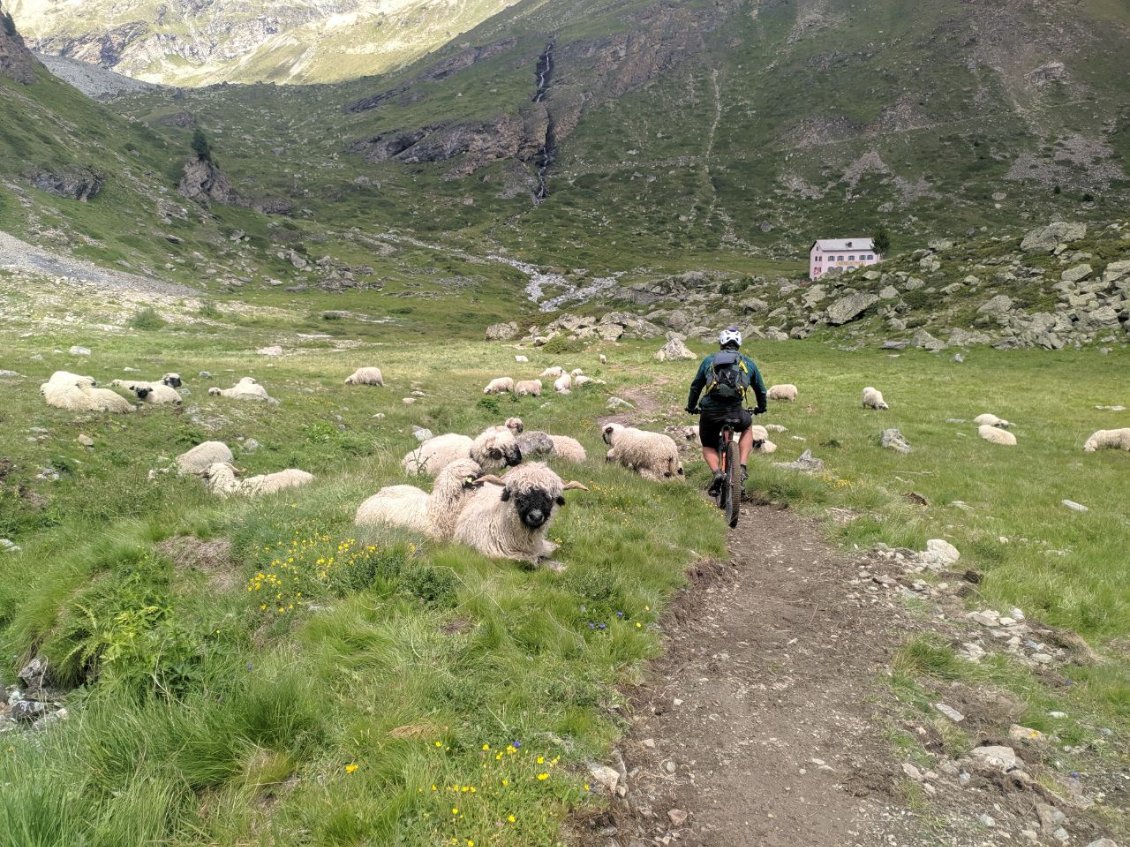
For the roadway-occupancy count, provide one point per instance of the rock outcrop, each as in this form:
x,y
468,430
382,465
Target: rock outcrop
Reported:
x,y
16,60
203,182
76,184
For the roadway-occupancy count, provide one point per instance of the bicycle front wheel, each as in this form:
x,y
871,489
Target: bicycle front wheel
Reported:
x,y
733,484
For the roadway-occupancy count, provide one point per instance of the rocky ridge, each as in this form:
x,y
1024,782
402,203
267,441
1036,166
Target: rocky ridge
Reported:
x,y
16,61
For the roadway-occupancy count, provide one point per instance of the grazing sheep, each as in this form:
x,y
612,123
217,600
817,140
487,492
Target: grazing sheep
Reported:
x,y
76,393
434,514
568,448
563,384
603,359
786,391
158,393
996,435
499,385
495,447
552,373
366,376
203,456
247,388
222,480
991,420
652,455
528,388
873,399
508,518
761,442
1115,439
535,443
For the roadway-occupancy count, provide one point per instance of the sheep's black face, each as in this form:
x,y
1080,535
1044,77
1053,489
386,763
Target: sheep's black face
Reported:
x,y
511,455
141,393
172,380
607,435
534,507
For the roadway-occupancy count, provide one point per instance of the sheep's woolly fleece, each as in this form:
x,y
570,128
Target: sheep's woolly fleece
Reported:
x,y
785,391
366,376
494,448
991,420
499,385
157,393
222,481
1115,439
247,388
652,455
75,393
995,435
873,399
434,514
528,388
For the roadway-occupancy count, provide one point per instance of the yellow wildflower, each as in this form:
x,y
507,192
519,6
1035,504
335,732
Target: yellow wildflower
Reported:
x,y
351,767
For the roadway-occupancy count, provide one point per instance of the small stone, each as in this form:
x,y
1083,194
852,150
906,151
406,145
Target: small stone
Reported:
x,y
27,711
273,350
1016,614
606,776
1057,715
649,743
421,433
619,403
1031,835
1061,835
1075,507
1102,842
1023,733
987,618
1007,622
408,401
950,712
79,351
987,820
251,445
1042,658
997,757
678,816
670,766
911,771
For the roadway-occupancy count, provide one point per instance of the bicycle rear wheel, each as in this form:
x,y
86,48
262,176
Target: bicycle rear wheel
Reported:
x,y
733,484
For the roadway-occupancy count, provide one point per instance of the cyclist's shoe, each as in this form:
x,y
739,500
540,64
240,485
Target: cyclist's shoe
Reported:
x,y
745,474
716,483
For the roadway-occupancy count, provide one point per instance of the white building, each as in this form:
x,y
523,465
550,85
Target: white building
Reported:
x,y
828,254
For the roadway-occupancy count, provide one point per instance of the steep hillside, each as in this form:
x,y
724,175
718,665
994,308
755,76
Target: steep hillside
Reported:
x,y
297,41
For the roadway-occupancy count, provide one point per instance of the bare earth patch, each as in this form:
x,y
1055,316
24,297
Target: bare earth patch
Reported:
x,y
211,558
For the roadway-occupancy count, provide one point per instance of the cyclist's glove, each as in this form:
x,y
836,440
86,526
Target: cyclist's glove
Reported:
x,y
691,410
760,410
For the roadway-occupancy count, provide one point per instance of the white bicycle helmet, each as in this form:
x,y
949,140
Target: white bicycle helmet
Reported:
x,y
730,335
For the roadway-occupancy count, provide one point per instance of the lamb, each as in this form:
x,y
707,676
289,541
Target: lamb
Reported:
x,y
996,435
222,480
366,376
433,514
528,388
247,388
652,455
499,385
568,448
563,384
203,456
509,518
991,420
493,448
1116,439
552,373
76,393
873,399
158,393
785,391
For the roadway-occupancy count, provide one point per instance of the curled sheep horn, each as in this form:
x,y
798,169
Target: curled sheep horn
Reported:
x,y
573,485
492,479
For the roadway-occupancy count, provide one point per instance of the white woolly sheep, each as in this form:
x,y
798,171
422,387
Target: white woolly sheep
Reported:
x,y
996,435
552,373
785,391
509,518
563,384
247,388
158,393
652,455
76,393
568,448
576,372
499,385
580,380
991,420
434,514
1115,439
366,376
493,448
528,388
603,359
222,480
203,456
515,425
873,399
520,358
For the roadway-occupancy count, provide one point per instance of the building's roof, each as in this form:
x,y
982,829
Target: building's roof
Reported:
x,y
860,243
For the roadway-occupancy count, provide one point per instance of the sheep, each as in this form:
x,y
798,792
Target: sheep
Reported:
x,y
761,442
158,393
76,393
563,384
493,448
603,359
509,518
576,372
515,425
652,455
366,376
873,399
172,380
568,448
580,380
528,388
991,420
433,514
247,388
221,479
552,373
203,456
1117,439
996,435
785,391
499,385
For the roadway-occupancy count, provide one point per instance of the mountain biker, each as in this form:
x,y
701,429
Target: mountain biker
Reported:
x,y
717,406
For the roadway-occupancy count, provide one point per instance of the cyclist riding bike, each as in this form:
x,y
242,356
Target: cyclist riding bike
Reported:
x,y
727,376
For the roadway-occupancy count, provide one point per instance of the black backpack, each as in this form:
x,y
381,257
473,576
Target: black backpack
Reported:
x,y
730,377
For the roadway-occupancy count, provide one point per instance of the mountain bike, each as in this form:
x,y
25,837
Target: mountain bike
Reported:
x,y
729,496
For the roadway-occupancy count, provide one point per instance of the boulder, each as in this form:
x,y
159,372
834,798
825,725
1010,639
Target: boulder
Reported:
x,y
502,331
1046,239
892,439
925,341
996,305
1076,273
674,350
850,307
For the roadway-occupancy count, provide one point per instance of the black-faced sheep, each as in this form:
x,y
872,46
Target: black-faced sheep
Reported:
x,y
247,388
157,393
652,455
1115,439
991,420
433,514
509,518
873,399
366,376
552,373
761,442
223,481
493,448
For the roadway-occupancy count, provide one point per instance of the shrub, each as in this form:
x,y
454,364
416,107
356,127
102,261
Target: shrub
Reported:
x,y
147,319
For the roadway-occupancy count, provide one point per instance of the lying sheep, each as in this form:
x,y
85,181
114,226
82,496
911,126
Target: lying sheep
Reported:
x,y
366,376
433,514
652,455
223,481
528,388
563,384
576,372
1115,439
581,379
552,373
785,391
203,456
996,435
991,420
873,399
509,518
493,448
499,385
172,380
76,393
568,448
247,388
158,393
761,442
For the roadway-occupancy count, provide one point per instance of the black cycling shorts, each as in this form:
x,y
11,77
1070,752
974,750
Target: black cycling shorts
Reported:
x,y
710,423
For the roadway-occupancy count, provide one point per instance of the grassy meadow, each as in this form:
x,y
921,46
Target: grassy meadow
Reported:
x,y
246,672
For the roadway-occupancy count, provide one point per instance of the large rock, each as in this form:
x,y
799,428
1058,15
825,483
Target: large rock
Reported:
x,y
1046,239
925,341
996,305
502,331
1076,273
16,60
203,182
892,439
674,350
850,307
74,184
